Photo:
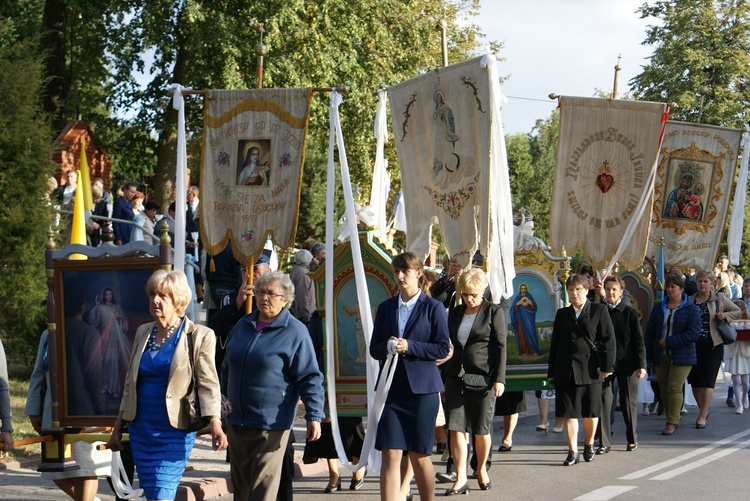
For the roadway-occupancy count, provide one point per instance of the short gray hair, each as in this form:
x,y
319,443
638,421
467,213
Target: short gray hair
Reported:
x,y
303,257
287,287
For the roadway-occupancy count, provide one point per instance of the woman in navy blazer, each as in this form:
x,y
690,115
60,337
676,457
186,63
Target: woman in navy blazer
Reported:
x,y
414,327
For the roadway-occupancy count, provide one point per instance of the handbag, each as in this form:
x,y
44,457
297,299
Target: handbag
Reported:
x,y
475,382
190,402
726,330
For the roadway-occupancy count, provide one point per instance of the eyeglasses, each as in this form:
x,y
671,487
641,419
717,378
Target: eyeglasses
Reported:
x,y
265,293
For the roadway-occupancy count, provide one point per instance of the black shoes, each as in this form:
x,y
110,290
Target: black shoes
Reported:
x,y
571,459
505,448
602,450
631,447
330,488
440,448
588,452
356,485
485,487
446,478
461,490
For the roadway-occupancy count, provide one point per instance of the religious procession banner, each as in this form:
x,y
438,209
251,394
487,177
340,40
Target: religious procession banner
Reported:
x,y
692,192
442,121
606,156
253,152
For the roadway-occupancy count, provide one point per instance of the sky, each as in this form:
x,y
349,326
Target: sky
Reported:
x,y
569,47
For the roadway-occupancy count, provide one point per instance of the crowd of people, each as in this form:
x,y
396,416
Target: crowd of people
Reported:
x,y
448,342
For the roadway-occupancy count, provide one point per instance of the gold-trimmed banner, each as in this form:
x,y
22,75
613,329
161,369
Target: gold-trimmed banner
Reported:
x,y
606,151
692,192
253,152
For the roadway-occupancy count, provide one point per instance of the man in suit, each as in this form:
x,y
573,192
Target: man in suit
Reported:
x,y
582,354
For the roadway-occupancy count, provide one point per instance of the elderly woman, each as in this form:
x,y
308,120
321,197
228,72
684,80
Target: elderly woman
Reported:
x,y
709,349
478,331
268,366
582,354
158,376
673,327
413,326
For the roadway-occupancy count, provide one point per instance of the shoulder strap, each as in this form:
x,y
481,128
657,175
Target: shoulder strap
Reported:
x,y
190,358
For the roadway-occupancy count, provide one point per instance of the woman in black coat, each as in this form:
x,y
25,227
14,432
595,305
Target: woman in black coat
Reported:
x,y
582,354
478,331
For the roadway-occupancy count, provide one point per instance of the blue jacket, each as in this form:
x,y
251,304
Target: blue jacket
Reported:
x,y
122,209
686,329
264,374
427,334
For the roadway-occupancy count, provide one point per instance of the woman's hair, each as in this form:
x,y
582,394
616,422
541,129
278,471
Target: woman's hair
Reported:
x,y
173,284
96,191
430,278
743,307
407,261
578,279
473,281
410,261
615,278
705,274
723,279
287,287
585,269
139,195
674,280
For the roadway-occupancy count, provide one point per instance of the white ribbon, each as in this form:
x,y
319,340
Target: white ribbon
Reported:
x,y
121,483
640,209
499,248
178,103
380,176
737,221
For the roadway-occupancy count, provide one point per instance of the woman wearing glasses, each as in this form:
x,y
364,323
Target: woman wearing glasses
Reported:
x,y
268,366
413,326
478,331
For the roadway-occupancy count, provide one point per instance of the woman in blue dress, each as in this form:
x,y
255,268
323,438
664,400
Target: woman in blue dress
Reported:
x,y
414,327
523,319
159,375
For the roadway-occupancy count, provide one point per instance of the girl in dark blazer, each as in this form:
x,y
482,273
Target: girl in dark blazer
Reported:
x,y
478,332
414,327
582,353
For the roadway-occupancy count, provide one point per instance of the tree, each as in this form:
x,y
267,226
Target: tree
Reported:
x,y
701,60
531,162
26,159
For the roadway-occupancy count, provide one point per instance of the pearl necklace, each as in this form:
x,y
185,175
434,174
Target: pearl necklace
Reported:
x,y
153,345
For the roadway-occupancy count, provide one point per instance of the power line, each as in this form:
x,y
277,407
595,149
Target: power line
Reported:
x,y
531,99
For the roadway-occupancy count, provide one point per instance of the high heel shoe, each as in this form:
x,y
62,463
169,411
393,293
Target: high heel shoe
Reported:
x,y
461,490
355,485
330,488
572,458
542,427
485,487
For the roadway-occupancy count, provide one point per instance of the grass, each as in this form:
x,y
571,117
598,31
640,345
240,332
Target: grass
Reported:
x,y
21,425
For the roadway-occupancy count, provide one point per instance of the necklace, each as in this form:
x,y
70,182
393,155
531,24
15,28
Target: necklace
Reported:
x,y
153,345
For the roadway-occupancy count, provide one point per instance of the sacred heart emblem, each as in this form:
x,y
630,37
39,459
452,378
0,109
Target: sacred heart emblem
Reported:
x,y
604,180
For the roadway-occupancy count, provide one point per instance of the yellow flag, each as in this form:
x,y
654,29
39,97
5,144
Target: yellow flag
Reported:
x,y
83,165
78,229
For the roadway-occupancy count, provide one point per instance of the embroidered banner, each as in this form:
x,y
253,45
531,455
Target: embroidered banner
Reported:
x,y
442,122
254,143
692,192
606,154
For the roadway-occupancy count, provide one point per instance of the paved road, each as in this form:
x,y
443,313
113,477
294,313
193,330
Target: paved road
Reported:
x,y
692,464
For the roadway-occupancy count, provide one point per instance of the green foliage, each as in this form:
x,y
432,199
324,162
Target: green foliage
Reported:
x,y
25,165
531,162
701,53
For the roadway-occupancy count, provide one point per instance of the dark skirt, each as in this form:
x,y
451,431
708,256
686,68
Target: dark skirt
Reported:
x,y
468,411
703,374
510,402
352,436
578,401
408,423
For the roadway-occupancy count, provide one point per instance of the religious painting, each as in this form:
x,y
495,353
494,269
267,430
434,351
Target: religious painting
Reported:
x,y
689,189
352,349
531,315
99,306
254,162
